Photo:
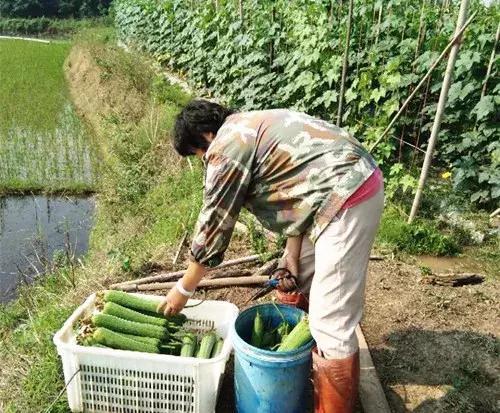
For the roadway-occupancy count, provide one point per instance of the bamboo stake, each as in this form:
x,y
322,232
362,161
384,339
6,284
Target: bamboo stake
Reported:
x,y
492,60
218,282
271,44
421,32
241,9
345,64
426,76
462,15
421,121
379,22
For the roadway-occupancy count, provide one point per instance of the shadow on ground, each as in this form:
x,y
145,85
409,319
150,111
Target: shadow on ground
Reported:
x,y
459,370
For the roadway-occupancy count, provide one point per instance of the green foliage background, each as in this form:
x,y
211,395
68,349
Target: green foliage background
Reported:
x,y
47,26
289,54
53,8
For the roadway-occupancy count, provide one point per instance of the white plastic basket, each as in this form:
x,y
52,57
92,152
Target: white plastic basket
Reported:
x,y
107,380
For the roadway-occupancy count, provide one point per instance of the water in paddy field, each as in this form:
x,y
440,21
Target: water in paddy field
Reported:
x,y
33,229
59,158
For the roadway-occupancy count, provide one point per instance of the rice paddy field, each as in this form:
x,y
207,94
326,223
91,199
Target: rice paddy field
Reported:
x,y
43,144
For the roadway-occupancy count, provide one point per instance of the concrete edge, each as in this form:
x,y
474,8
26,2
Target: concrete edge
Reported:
x,y
371,393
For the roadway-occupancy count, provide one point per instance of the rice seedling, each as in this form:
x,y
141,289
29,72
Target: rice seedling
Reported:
x,y
43,144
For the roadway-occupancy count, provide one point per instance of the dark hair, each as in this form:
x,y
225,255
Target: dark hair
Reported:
x,y
197,118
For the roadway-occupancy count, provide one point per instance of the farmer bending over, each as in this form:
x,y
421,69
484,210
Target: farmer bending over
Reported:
x,y
315,183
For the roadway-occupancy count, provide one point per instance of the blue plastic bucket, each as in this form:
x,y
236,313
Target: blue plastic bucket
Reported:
x,y
267,381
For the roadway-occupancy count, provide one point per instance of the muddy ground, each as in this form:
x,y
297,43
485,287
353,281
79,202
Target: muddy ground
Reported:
x,y
436,349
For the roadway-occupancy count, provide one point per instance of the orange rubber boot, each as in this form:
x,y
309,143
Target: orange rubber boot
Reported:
x,y
294,298
336,383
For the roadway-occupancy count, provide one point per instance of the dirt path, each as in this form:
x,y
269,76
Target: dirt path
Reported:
x,y
435,348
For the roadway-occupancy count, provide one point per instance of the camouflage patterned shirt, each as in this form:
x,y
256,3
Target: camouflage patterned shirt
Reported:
x,y
292,171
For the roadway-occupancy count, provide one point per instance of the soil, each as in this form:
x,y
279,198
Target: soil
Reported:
x,y
435,348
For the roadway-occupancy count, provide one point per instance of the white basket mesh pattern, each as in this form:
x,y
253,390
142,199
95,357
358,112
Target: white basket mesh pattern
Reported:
x,y
107,389
117,381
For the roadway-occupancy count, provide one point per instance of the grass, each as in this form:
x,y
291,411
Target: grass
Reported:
x,y
148,197
420,237
43,144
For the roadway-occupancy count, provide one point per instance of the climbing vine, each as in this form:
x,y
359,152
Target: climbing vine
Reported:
x,y
289,54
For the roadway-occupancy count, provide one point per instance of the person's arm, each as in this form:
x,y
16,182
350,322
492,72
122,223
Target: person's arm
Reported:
x,y
226,185
175,300
291,255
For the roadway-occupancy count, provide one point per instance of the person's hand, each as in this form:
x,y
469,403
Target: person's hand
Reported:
x,y
173,303
290,263
288,266
286,283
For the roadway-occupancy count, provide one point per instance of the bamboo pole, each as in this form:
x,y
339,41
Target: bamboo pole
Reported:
x,y
345,64
443,96
271,44
492,60
217,282
379,22
241,9
178,274
421,120
426,76
421,32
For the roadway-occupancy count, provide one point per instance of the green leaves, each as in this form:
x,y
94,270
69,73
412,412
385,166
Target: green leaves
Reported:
x,y
484,107
288,54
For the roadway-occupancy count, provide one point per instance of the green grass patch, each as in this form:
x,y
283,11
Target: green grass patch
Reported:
x,y
420,237
43,144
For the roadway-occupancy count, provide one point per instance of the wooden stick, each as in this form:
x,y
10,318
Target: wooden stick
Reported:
x,y
267,268
219,282
230,274
454,279
177,274
427,75
179,248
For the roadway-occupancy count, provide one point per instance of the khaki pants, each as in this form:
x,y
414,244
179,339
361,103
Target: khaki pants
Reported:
x,y
333,272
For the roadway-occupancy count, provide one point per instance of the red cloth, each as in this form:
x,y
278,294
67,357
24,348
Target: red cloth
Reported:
x,y
369,188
